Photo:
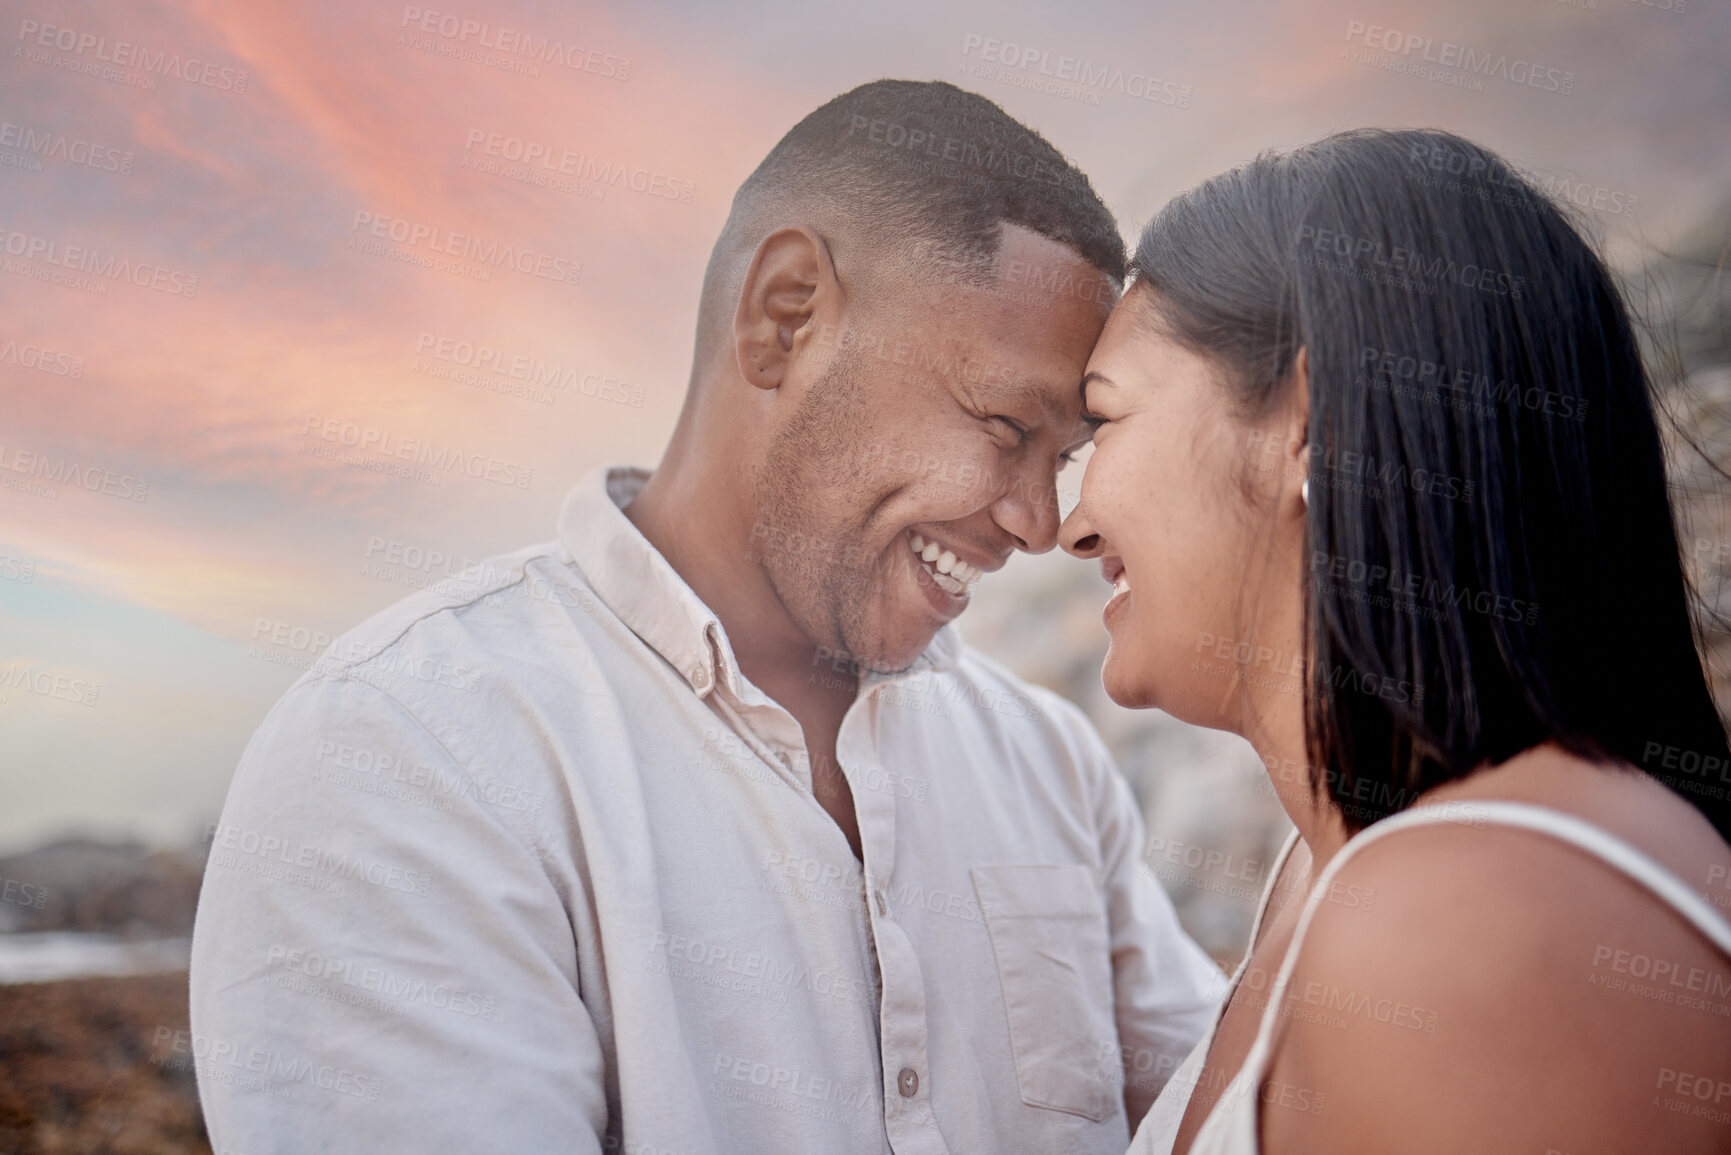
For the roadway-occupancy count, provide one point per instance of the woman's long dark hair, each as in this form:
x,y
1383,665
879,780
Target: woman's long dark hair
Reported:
x,y
1493,556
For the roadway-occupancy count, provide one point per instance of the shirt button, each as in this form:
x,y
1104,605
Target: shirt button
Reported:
x,y
700,678
909,1082
883,908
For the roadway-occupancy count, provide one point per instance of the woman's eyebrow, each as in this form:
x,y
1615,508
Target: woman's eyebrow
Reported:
x,y
1092,375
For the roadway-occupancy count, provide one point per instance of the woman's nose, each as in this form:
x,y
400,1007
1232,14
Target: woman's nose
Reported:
x,y
1078,536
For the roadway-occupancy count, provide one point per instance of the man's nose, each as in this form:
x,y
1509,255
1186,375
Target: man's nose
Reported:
x,y
1028,512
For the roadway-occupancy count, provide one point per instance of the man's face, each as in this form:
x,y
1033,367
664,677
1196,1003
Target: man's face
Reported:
x,y
940,422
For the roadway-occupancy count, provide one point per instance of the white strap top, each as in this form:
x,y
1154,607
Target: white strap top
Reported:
x,y
1159,1129
1231,1126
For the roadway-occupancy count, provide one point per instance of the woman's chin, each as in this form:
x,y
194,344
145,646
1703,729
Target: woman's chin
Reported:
x,y
1125,685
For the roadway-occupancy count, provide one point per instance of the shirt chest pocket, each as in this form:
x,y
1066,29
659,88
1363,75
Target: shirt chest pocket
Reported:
x,y
1048,931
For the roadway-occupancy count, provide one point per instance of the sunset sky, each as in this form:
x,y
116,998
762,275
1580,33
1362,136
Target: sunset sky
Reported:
x,y
155,599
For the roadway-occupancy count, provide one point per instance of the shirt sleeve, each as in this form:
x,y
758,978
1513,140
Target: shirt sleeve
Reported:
x,y
1167,990
381,960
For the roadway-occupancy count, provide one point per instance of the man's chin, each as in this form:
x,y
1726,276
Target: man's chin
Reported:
x,y
895,653
892,662
893,632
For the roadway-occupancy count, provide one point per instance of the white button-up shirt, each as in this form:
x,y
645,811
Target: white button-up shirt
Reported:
x,y
525,864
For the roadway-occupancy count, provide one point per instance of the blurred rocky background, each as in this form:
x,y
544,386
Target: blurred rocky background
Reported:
x,y
91,887
1689,296
93,951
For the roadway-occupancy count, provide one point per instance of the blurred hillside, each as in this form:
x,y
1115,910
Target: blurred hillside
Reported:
x,y
80,884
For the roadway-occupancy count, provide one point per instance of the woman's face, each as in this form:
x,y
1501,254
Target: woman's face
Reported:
x,y
1196,517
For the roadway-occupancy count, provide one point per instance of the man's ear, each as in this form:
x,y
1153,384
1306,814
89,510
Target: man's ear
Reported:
x,y
791,277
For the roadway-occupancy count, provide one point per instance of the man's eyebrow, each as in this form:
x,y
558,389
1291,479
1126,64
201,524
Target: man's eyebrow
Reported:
x,y
1030,394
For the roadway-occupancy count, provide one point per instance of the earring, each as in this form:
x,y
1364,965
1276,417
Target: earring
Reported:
x,y
1304,492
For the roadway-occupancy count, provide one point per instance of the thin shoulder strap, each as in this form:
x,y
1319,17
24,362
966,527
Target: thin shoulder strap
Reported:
x,y
1268,893
1256,925
1606,847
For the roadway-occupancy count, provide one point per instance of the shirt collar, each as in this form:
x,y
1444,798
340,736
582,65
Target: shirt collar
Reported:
x,y
632,579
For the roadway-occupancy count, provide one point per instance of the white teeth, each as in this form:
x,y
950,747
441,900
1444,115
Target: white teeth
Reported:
x,y
949,572
1121,586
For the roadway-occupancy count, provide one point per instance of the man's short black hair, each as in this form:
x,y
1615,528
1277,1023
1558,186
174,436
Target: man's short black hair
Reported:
x,y
928,161
899,170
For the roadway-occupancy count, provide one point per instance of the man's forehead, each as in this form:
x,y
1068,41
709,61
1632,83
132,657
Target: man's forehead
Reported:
x,y
1028,271
1037,346
1036,269
1019,337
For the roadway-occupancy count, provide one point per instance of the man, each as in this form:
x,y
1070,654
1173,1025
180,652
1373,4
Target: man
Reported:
x,y
698,830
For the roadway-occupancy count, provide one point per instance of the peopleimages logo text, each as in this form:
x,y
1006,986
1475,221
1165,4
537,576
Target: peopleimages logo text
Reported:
x,y
466,246
59,146
385,443
67,471
1074,70
583,166
1448,54
85,260
121,54
516,42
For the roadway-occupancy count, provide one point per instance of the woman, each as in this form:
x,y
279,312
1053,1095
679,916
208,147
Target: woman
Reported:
x,y
1379,485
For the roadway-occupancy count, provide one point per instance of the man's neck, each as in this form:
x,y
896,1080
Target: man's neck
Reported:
x,y
704,538
700,526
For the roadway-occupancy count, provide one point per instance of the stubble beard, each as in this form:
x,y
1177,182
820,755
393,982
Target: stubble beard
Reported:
x,y
827,587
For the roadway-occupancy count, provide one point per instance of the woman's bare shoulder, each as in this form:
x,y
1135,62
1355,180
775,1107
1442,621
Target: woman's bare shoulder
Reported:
x,y
1508,972
1619,799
